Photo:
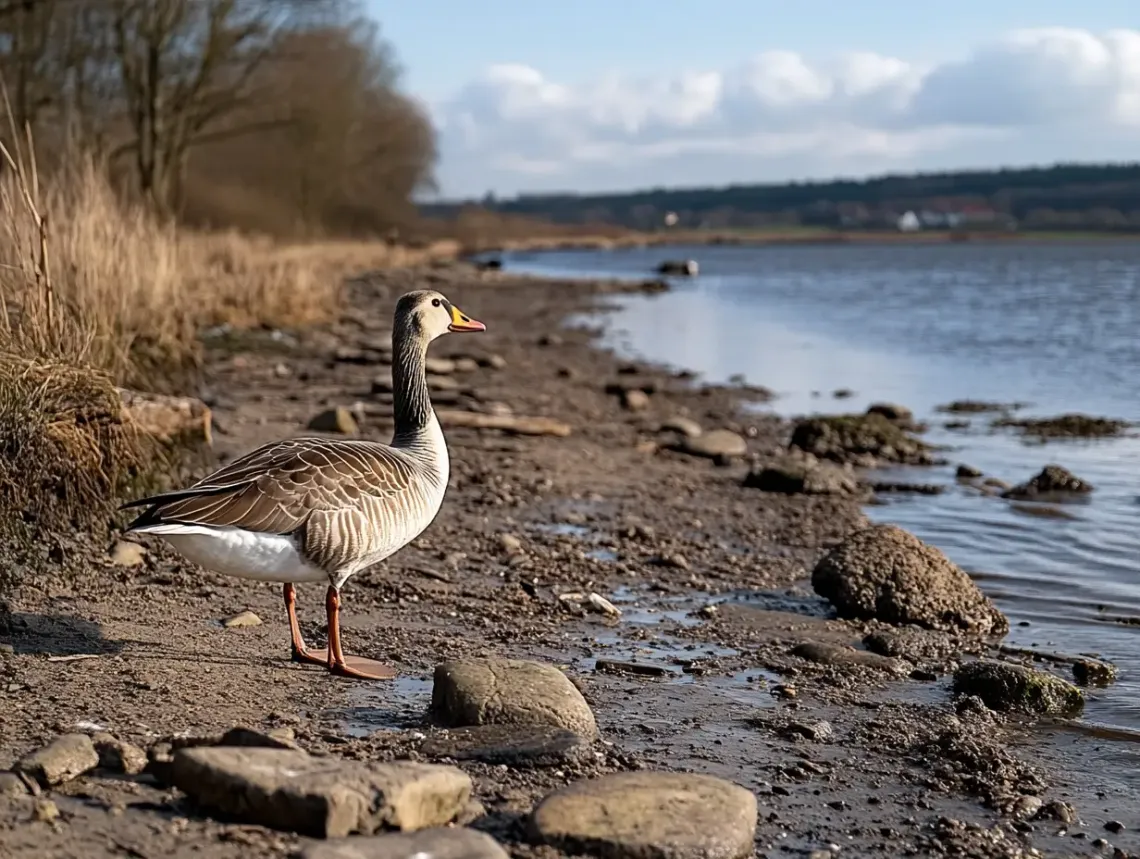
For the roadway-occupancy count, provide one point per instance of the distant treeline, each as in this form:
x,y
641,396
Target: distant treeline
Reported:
x,y
1062,197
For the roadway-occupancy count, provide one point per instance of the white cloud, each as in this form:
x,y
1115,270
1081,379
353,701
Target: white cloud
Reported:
x,y
1031,96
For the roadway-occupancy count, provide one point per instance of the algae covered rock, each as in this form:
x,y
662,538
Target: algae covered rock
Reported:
x,y
860,440
1010,688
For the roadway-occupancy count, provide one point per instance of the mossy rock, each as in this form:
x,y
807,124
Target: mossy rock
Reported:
x,y
859,439
1009,688
1071,425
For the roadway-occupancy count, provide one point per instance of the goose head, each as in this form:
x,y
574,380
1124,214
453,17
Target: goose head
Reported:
x,y
428,314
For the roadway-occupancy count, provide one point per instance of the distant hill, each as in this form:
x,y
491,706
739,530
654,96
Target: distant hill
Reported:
x,y
1061,197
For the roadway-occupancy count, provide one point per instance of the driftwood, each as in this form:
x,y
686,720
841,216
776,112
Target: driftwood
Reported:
x,y
506,423
171,420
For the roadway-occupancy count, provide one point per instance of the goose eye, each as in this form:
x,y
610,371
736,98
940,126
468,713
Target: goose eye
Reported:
x,y
435,302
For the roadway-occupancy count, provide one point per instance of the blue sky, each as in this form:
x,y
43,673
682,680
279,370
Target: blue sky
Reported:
x,y
591,94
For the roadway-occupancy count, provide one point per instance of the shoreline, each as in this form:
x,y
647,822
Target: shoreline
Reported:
x,y
708,575
777,237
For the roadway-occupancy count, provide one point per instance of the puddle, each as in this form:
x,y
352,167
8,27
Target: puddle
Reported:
x,y
602,554
392,706
565,529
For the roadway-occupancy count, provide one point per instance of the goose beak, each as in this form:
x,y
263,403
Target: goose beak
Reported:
x,y
460,321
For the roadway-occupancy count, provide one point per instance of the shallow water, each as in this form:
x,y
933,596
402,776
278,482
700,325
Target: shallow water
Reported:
x,y
1052,325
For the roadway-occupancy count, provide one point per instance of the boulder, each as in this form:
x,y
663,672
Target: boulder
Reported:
x,y
883,572
508,692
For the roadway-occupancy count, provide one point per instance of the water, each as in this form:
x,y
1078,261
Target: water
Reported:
x,y
1054,325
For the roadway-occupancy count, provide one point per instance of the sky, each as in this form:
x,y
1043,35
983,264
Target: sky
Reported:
x,y
612,95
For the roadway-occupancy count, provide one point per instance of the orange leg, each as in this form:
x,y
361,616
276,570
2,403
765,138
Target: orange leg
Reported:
x,y
300,652
350,666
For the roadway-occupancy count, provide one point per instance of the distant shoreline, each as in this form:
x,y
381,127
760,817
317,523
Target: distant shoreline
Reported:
x,y
805,236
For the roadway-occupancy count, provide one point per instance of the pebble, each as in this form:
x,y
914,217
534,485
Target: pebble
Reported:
x,y
127,554
64,758
119,756
510,544
614,666
635,400
683,425
495,362
833,654
968,472
432,843
323,797
338,420
717,443
439,366
46,811
602,605
495,691
242,620
466,365
649,814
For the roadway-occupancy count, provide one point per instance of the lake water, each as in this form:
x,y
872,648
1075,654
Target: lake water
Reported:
x,y
1053,325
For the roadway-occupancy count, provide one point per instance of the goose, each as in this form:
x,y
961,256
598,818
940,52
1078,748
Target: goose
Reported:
x,y
316,509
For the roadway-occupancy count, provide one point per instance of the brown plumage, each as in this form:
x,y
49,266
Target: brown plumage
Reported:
x,y
309,509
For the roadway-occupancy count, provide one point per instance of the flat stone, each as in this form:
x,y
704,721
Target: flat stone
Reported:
x,y
127,554
277,738
508,692
426,844
241,620
338,420
717,443
322,797
834,654
439,366
509,745
649,815
681,424
118,755
64,758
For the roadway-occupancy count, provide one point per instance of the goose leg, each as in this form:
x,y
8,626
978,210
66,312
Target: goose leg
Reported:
x,y
300,652
349,666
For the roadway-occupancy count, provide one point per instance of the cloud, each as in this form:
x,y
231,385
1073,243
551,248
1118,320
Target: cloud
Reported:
x,y
1033,95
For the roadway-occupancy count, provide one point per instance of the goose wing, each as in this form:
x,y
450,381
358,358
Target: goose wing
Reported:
x,y
331,493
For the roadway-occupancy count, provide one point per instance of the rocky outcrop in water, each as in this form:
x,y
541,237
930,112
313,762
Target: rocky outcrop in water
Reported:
x,y
1051,481
862,440
885,573
1071,425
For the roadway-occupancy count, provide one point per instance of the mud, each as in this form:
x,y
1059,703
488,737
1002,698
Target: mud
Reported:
x,y
845,756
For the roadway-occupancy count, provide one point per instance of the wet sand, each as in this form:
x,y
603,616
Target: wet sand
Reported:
x,y
710,577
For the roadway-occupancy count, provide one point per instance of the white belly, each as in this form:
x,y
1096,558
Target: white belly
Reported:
x,y
240,553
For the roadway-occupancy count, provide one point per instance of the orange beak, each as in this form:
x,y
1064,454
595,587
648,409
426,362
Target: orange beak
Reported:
x,y
460,321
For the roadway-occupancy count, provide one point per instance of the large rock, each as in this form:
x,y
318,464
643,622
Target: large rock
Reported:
x,y
323,797
426,844
885,573
508,692
1018,689
1051,481
64,758
860,440
649,815
803,475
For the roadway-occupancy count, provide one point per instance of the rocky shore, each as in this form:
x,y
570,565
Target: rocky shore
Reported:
x,y
647,623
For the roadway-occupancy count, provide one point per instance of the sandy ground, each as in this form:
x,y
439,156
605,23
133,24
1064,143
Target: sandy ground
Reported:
x,y
845,759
